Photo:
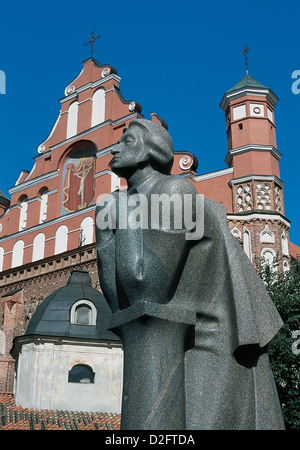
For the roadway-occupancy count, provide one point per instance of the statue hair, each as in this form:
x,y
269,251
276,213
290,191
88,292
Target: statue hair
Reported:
x,y
159,142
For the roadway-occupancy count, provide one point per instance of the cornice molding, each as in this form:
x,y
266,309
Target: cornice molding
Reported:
x,y
207,176
257,215
33,182
248,91
40,226
257,177
90,85
252,148
96,127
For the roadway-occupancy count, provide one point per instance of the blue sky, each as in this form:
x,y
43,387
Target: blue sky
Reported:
x,y
176,58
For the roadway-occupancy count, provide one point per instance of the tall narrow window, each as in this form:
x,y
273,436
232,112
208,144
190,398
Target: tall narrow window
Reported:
x,y
87,231
247,243
1,258
98,111
38,247
23,214
44,206
17,254
61,240
72,120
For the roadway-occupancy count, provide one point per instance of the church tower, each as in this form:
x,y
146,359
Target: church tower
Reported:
x,y
257,191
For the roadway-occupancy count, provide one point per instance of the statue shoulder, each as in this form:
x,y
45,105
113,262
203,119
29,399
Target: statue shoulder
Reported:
x,y
174,184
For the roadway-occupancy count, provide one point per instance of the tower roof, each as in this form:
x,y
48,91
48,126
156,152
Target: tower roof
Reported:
x,y
53,315
247,81
248,86
3,196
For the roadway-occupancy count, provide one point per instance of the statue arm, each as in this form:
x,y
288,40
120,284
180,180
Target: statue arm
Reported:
x,y
105,247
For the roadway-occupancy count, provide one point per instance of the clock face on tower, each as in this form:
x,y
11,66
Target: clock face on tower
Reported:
x,y
257,110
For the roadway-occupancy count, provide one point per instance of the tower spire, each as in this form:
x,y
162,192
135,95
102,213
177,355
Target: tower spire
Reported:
x,y
91,42
245,52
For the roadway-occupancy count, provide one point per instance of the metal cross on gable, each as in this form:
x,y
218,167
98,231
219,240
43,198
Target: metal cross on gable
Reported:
x,y
245,52
91,41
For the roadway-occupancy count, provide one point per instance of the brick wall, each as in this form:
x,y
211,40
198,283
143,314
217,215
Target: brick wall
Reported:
x,y
22,296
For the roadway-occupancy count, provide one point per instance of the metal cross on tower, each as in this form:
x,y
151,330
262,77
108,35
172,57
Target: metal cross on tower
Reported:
x,y
245,52
91,41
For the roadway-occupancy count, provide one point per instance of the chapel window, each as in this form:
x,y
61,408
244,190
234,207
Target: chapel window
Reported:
x,y
83,312
83,315
61,239
17,254
72,120
38,247
98,110
81,373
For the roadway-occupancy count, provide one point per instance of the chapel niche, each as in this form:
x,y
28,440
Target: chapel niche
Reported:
x,y
78,178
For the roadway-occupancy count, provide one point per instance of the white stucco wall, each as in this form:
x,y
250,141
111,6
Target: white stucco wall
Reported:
x,y
43,368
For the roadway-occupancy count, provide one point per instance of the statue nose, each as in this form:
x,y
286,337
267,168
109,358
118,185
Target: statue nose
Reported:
x,y
114,150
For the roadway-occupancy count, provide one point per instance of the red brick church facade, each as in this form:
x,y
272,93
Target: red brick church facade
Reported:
x,y
47,226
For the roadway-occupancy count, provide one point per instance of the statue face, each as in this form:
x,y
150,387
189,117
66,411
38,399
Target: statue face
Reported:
x,y
129,152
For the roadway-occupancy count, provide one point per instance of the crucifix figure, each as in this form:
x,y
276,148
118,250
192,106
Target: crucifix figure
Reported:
x,y
245,52
91,41
82,174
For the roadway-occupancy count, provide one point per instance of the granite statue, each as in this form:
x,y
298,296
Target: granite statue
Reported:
x,y
194,318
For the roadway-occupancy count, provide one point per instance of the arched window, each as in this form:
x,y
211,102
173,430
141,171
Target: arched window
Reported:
x,y
38,247
72,120
1,258
83,315
83,312
17,254
44,206
23,213
87,231
285,266
269,257
81,373
98,110
61,240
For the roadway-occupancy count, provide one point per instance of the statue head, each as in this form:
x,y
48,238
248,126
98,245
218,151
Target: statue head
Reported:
x,y
143,143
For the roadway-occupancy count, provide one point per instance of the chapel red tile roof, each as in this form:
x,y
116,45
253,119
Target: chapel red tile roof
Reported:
x,y
13,417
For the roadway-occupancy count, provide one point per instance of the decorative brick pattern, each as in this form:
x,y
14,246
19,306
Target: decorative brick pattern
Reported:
x,y
264,195
243,198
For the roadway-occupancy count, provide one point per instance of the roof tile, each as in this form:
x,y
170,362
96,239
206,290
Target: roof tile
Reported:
x,y
14,417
